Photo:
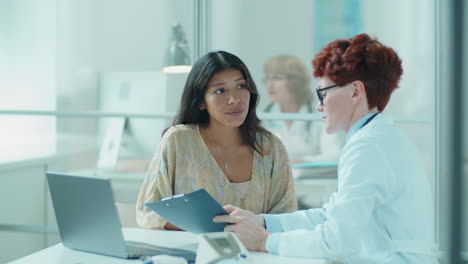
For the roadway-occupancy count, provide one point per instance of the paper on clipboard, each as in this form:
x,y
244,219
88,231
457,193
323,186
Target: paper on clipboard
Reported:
x,y
192,212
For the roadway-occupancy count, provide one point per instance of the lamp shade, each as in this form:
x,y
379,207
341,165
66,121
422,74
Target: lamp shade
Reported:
x,y
177,56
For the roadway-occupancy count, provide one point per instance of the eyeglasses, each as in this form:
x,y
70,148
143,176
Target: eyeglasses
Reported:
x,y
320,90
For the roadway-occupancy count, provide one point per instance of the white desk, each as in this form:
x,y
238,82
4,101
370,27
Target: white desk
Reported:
x,y
59,254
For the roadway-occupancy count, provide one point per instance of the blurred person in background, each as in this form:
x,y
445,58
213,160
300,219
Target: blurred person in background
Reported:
x,y
288,86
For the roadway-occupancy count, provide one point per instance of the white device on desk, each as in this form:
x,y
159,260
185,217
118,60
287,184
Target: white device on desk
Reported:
x,y
221,248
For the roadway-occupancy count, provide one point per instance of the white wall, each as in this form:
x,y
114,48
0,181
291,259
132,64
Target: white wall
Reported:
x,y
27,75
107,35
257,30
408,27
412,35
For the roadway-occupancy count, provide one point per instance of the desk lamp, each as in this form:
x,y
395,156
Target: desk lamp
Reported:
x,y
177,57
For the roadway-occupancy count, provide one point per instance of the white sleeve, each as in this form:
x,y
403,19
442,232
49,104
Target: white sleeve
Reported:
x,y
303,219
365,180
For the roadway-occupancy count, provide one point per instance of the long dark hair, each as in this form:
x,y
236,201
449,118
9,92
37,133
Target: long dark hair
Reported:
x,y
194,91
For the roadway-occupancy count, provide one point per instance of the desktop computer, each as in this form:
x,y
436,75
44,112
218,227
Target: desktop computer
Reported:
x,y
149,92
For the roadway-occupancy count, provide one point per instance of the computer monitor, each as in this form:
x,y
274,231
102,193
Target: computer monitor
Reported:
x,y
148,92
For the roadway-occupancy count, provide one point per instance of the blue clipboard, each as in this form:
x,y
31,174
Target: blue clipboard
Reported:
x,y
192,212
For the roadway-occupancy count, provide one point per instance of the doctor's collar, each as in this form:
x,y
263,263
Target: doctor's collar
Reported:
x,y
363,121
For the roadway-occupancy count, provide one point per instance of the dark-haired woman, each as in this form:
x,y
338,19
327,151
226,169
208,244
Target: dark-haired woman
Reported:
x,y
383,209
217,143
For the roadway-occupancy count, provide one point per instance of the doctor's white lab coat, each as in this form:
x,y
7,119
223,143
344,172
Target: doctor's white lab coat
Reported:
x,y
382,212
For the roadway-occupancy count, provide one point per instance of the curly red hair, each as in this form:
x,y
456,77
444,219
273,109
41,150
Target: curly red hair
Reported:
x,y
361,58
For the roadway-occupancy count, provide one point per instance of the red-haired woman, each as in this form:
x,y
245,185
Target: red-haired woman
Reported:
x,y
382,211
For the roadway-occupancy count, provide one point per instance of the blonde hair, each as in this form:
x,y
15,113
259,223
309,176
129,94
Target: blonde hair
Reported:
x,y
296,73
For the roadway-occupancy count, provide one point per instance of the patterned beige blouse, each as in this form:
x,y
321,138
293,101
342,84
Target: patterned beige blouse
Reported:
x,y
184,164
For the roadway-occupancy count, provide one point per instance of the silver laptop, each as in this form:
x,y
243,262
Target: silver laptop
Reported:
x,y
88,220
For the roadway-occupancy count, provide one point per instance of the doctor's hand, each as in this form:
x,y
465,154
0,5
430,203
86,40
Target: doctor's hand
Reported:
x,y
236,211
252,235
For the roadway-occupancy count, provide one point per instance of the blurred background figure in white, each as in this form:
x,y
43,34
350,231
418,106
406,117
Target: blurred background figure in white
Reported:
x,y
288,85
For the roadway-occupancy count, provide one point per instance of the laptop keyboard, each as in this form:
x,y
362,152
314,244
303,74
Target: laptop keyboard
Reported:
x,y
138,249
